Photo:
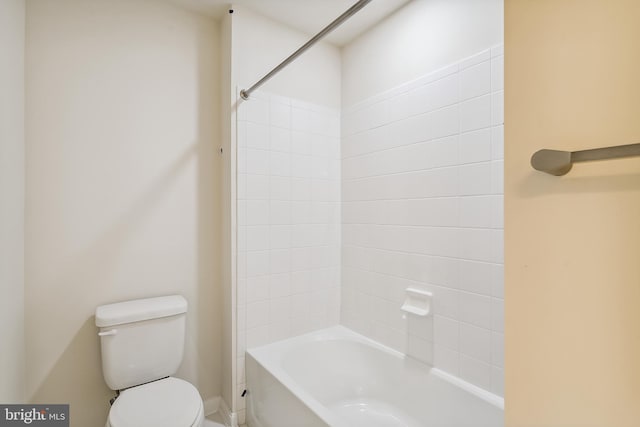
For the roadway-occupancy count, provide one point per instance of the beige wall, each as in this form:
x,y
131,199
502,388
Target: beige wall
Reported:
x,y
573,242
123,183
12,200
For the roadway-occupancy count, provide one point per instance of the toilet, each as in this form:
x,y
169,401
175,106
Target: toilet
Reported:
x,y
142,344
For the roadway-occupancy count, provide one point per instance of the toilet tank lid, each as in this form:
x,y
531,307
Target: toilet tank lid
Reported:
x,y
139,310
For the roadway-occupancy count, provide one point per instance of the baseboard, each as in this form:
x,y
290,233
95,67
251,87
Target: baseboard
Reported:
x,y
230,419
212,405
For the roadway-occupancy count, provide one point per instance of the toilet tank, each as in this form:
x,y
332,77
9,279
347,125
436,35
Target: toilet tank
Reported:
x,y
141,340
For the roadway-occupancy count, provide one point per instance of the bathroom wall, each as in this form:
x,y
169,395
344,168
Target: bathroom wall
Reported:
x,y
12,17
422,175
421,37
123,184
287,186
422,208
572,242
259,44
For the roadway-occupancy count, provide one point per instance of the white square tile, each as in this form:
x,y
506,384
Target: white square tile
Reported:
x,y
497,211
257,314
241,370
280,139
280,237
475,146
280,164
279,330
300,306
497,142
446,359
301,259
241,134
497,381
497,314
257,289
301,189
445,301
497,108
279,285
280,188
257,187
475,81
242,160
301,166
280,212
477,244
476,211
301,282
475,179
279,261
497,349
301,142
475,309
497,73
497,280
258,336
300,119
280,309
475,372
257,237
257,263
446,332
257,162
497,246
475,342
476,277
475,113
257,212
497,177
257,136
432,96
420,349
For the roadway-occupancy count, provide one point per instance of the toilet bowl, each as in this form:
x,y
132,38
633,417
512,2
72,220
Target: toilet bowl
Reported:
x,y
170,402
142,343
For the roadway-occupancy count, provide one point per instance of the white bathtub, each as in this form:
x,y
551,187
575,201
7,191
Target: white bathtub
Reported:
x,y
338,378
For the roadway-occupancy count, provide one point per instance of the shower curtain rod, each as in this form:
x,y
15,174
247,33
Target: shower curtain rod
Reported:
x,y
245,93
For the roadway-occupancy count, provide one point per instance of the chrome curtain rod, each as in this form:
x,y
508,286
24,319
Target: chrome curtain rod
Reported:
x,y
556,162
245,93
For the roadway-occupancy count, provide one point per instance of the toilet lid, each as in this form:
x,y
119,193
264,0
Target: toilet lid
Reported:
x,y
169,402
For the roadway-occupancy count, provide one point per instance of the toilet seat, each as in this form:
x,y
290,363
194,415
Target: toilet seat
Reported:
x,y
170,402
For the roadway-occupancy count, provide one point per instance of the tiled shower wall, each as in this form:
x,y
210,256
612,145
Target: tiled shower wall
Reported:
x,y
288,220
422,206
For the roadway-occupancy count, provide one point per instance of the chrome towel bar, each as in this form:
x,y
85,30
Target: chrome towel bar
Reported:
x,y
556,162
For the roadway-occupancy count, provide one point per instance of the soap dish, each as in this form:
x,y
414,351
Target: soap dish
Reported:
x,y
417,302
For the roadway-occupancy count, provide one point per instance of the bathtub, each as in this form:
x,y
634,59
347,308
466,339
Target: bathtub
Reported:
x,y
336,377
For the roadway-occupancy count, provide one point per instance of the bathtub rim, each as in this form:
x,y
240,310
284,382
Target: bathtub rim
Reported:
x,y
269,357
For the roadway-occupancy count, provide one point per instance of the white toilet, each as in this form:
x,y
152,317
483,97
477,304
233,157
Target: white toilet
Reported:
x,y
142,344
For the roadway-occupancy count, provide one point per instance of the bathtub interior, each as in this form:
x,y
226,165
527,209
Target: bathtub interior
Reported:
x,y
347,379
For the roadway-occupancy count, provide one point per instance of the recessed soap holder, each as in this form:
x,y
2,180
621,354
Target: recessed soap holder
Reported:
x,y
417,302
